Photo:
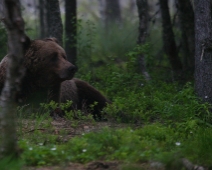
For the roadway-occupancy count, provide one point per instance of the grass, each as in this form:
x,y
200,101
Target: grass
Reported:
x,y
153,142
6,164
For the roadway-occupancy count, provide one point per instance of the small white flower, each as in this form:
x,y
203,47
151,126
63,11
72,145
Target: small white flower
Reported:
x,y
30,148
191,132
84,150
131,130
206,97
178,143
142,84
53,149
41,144
83,134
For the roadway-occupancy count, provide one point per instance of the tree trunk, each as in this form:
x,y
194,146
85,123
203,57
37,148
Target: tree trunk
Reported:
x,y
169,41
71,30
143,27
1,10
132,6
112,12
43,19
15,71
186,16
102,12
203,50
55,27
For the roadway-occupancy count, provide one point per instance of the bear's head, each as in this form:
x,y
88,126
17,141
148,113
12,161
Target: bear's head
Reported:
x,y
46,62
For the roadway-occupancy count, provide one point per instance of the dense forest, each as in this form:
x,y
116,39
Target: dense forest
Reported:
x,y
151,59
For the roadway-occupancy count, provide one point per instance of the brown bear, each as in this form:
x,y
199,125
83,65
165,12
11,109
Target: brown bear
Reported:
x,y
49,76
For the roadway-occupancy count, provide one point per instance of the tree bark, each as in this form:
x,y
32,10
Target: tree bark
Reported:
x,y
169,41
143,28
186,16
203,50
43,19
71,30
3,38
102,8
55,27
15,71
112,12
1,10
132,6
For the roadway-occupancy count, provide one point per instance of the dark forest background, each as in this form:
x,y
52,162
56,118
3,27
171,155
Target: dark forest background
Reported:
x,y
111,29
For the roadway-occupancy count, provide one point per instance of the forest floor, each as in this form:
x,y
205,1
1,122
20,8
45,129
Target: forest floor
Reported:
x,y
99,165
62,124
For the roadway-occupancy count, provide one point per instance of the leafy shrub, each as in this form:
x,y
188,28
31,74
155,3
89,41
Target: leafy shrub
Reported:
x,y
9,163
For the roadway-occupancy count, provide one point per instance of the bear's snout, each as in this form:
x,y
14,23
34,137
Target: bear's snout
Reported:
x,y
68,72
72,69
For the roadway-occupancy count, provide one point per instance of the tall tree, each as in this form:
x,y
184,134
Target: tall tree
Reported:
x,y
102,11
55,27
71,30
112,12
1,9
143,28
15,71
203,49
169,40
132,6
186,15
3,37
43,18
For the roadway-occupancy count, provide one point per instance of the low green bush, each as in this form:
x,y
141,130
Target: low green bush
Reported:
x,y
155,142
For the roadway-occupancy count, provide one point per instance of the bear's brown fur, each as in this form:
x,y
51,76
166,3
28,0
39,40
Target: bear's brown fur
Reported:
x,y
49,76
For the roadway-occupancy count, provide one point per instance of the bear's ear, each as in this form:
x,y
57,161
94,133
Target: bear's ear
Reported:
x,y
52,39
26,42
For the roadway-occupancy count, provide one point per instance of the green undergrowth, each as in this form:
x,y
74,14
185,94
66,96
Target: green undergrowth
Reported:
x,y
11,164
164,122
153,142
136,100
